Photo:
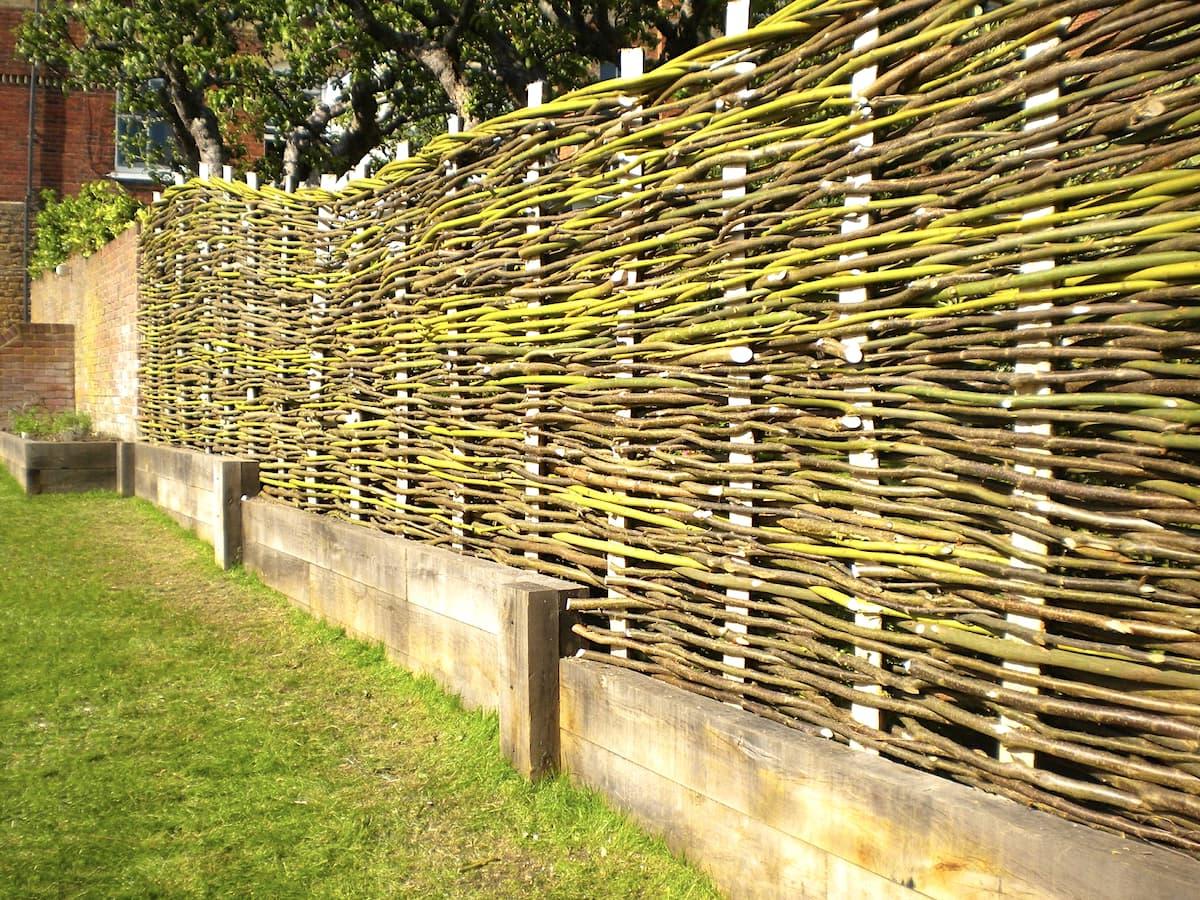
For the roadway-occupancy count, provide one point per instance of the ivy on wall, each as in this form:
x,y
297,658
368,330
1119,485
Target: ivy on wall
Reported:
x,y
81,224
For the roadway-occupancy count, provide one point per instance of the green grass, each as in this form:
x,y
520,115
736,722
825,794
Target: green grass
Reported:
x,y
167,730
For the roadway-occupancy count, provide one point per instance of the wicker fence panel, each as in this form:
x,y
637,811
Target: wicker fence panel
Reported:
x,y
851,361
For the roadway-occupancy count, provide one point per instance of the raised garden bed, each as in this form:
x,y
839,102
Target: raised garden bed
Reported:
x,y
43,467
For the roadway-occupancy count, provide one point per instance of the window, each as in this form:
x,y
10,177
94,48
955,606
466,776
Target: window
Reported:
x,y
143,144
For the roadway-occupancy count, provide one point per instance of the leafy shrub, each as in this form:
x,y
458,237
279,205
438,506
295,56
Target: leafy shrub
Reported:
x,y
80,224
39,424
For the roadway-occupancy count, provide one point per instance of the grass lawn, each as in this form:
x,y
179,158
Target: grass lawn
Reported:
x,y
167,729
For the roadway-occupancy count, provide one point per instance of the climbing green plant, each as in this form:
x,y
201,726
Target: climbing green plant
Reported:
x,y
82,223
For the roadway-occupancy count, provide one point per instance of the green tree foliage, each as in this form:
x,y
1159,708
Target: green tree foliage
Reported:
x,y
219,72
80,224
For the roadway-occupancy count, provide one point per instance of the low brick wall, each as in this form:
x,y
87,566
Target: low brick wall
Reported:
x,y
99,295
55,467
37,367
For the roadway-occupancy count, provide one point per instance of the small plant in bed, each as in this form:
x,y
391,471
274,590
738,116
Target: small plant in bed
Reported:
x,y
37,423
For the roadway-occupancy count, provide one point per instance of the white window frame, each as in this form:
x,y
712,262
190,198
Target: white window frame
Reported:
x,y
123,170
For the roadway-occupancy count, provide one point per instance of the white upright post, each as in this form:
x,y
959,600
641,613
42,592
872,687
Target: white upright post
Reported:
x,y
866,615
632,66
397,246
327,221
533,465
1032,367
454,126
251,263
225,261
320,304
207,406
181,231
737,21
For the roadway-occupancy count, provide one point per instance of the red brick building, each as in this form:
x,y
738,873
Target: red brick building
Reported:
x,y
74,142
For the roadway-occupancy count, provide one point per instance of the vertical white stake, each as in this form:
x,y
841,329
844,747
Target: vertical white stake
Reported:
x,y
737,21
251,264
203,171
866,615
229,416
285,229
396,247
320,303
1034,368
181,229
325,223
533,466
454,126
206,302
632,66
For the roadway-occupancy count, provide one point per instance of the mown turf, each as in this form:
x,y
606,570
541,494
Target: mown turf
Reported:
x,y
170,730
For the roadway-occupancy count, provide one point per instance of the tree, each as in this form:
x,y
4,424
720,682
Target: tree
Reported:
x,y
339,79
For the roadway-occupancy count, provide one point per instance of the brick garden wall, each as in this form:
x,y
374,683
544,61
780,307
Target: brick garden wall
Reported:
x,y
75,131
98,296
74,144
37,366
12,284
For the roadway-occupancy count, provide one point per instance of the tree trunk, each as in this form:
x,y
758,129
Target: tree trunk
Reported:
x,y
201,138
449,76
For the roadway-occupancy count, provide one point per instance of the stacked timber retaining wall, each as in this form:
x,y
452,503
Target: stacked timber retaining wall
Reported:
x,y
436,612
52,467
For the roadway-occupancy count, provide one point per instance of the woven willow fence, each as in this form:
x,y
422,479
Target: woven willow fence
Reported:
x,y
851,360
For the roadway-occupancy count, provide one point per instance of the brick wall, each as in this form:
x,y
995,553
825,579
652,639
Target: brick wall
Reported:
x,y
98,296
37,367
12,279
74,132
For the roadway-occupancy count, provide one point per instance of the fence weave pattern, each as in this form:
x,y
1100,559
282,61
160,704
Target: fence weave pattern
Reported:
x,y
851,360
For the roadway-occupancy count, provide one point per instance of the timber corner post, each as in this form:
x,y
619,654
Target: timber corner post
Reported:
x,y
530,649
233,481
125,451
